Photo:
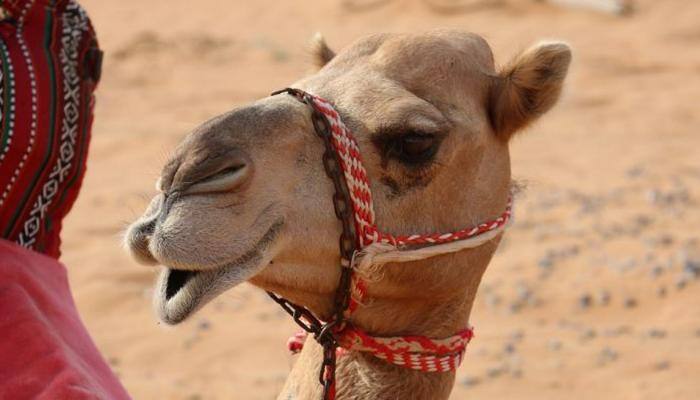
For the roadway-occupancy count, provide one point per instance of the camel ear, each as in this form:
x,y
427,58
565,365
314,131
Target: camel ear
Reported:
x,y
320,51
528,87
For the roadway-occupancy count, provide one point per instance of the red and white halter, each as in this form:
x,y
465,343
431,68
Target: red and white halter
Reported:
x,y
377,248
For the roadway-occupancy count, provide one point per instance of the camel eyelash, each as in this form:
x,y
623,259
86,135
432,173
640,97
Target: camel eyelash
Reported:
x,y
411,147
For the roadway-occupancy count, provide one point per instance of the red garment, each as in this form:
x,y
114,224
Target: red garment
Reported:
x,y
45,351
49,67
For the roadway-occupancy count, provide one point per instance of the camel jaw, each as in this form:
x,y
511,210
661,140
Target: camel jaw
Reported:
x,y
180,293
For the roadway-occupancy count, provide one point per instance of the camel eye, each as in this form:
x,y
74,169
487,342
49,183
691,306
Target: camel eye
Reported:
x,y
412,148
415,148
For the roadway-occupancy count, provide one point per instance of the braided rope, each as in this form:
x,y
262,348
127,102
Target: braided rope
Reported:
x,y
361,195
378,248
415,352
354,171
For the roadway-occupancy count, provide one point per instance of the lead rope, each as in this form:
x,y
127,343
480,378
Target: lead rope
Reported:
x,y
324,332
363,247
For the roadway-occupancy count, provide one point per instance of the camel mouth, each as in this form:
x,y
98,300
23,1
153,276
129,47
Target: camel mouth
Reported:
x,y
177,279
180,293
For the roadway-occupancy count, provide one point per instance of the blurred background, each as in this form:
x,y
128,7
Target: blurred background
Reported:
x,y
594,292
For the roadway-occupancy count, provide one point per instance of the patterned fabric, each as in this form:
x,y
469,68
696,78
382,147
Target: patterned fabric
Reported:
x,y
49,68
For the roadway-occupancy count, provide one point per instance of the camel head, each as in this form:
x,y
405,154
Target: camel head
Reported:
x,y
245,196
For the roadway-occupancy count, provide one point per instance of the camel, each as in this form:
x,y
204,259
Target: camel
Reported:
x,y
245,198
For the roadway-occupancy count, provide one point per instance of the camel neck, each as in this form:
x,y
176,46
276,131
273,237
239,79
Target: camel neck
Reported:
x,y
398,305
431,298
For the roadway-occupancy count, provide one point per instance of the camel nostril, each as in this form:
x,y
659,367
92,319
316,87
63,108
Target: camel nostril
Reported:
x,y
226,172
137,241
226,179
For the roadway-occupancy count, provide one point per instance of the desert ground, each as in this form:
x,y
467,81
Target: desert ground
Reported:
x,y
594,292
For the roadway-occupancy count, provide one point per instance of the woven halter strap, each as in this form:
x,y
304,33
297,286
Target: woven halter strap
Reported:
x,y
372,249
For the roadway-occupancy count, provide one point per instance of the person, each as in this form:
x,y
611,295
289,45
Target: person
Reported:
x,y
50,65
50,68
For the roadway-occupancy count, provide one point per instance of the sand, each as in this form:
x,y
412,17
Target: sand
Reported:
x,y
593,293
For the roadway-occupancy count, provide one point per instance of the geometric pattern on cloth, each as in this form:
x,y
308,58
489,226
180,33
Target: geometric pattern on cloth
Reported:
x,y
46,95
73,25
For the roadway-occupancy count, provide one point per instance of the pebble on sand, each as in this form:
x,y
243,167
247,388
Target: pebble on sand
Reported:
x,y
585,301
656,333
495,372
657,271
618,331
635,171
554,344
662,365
546,262
607,355
681,282
691,268
661,291
469,381
517,335
493,300
203,325
603,297
588,334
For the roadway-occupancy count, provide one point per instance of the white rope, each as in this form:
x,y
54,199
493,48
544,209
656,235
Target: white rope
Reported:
x,y
378,254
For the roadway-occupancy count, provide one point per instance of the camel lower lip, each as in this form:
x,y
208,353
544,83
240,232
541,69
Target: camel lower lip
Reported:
x,y
180,293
